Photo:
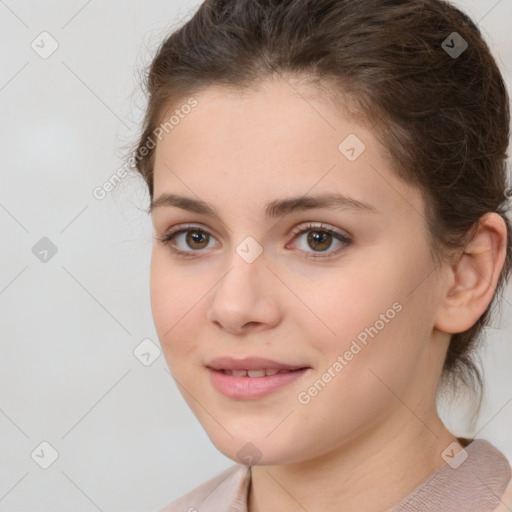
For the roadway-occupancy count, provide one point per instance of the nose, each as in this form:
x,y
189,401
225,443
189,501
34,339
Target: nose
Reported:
x,y
245,298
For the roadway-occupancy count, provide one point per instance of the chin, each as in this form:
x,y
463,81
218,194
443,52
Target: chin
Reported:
x,y
257,452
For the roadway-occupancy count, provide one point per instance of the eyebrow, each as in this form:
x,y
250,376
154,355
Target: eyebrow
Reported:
x,y
273,209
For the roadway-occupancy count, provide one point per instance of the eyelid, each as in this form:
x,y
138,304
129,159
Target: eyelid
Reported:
x,y
321,226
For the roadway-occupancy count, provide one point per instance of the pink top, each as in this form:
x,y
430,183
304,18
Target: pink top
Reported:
x,y
481,483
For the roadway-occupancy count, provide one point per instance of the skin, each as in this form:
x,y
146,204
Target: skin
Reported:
x,y
374,425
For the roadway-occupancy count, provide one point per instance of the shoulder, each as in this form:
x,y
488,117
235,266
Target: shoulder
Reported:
x,y
495,473
476,479
222,492
506,499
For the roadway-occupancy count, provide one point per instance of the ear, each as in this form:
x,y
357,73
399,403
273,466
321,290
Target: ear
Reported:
x,y
474,276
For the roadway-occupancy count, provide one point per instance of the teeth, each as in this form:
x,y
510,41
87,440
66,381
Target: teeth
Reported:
x,y
256,373
264,372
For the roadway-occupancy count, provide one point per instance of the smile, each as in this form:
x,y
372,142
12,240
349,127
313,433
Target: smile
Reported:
x,y
253,384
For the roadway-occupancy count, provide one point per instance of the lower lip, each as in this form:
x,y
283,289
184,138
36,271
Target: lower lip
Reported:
x,y
252,387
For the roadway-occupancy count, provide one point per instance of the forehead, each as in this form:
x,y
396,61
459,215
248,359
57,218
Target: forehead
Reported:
x,y
280,136
276,113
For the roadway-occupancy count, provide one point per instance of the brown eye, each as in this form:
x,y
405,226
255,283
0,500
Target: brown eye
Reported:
x,y
191,240
196,239
187,240
319,239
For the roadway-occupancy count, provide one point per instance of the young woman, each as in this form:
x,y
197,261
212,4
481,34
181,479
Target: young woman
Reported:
x,y
328,193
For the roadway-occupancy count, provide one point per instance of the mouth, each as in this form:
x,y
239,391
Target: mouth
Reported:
x,y
252,378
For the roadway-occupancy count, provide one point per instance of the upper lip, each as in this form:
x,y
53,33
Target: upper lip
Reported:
x,y
250,363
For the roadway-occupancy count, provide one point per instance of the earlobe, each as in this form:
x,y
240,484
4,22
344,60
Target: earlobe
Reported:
x,y
474,276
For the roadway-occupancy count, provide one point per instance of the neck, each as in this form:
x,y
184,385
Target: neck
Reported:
x,y
371,473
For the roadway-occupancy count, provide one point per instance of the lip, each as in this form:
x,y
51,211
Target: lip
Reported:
x,y
247,388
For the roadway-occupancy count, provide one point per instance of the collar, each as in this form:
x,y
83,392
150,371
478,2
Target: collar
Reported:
x,y
478,484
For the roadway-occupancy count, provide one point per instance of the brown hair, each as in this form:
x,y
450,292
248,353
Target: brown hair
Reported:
x,y
443,118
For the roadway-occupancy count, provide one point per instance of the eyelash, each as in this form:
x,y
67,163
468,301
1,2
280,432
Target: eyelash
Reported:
x,y
168,237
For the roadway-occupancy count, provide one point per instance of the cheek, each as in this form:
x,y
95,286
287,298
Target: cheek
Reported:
x,y
377,317
356,381
353,300
174,298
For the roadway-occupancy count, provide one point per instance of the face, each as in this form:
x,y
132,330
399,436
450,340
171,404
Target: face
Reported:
x,y
338,296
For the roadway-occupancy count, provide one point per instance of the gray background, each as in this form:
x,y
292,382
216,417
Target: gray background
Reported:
x,y
125,439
